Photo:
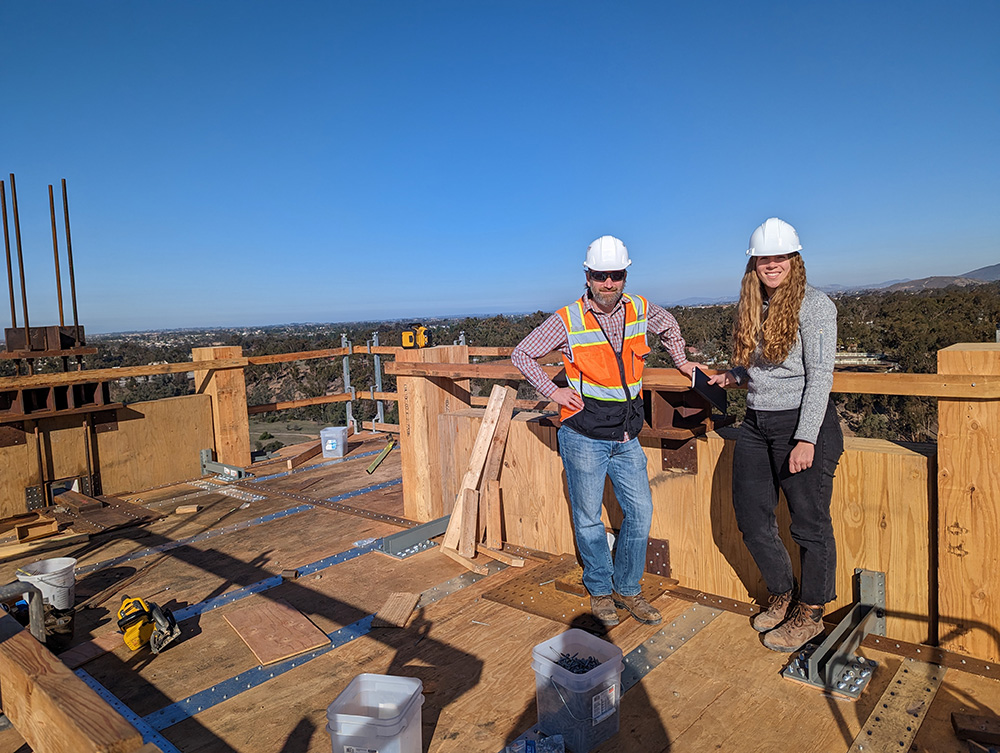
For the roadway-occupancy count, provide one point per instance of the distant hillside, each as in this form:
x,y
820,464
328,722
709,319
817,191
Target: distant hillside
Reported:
x,y
987,274
932,283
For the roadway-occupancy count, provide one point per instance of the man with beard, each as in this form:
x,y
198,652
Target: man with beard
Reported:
x,y
602,337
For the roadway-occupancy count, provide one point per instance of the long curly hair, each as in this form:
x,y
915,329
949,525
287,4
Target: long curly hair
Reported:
x,y
778,330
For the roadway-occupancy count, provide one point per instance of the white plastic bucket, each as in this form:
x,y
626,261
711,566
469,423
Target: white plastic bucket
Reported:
x,y
583,708
55,578
378,713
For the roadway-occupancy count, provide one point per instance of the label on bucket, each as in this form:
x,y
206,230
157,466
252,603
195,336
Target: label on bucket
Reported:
x,y
603,704
353,749
331,445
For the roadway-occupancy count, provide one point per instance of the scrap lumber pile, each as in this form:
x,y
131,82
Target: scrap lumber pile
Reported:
x,y
475,524
73,519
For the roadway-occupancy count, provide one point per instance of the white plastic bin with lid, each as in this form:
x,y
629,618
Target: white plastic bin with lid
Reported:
x,y
377,713
333,440
583,708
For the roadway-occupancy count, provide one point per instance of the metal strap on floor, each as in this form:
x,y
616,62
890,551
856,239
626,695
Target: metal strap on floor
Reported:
x,y
900,711
149,735
370,545
194,704
114,561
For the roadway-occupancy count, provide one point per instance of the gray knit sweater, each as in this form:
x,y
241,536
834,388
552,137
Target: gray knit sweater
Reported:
x,y
803,381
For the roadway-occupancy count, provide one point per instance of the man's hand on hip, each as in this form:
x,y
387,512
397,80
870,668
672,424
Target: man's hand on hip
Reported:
x,y
568,398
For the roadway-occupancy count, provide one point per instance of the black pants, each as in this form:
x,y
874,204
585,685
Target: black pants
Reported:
x,y
760,467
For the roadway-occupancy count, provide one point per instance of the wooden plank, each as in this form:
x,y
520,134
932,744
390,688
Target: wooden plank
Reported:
x,y
274,630
123,372
309,453
78,502
470,515
968,384
341,397
52,542
500,556
187,509
494,457
982,729
421,401
52,709
492,515
228,391
464,561
499,398
304,355
36,529
396,611
969,520
455,533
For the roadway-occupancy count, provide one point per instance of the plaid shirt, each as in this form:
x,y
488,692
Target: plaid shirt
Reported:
x,y
551,335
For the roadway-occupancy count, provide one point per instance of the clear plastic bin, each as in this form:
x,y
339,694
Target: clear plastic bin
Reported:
x,y
333,440
583,708
377,713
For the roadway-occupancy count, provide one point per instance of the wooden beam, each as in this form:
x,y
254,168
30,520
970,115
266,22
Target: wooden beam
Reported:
x,y
491,470
492,516
307,454
377,426
304,355
109,375
52,708
964,385
342,397
228,390
464,561
499,556
968,518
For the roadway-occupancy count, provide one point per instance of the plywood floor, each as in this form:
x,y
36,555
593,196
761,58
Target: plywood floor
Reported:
x,y
720,691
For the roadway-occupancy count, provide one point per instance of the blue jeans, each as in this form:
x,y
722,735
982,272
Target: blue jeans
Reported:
x,y
588,462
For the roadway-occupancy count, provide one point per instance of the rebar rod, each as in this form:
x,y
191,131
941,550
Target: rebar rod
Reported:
x,y
20,267
72,275
10,269
55,254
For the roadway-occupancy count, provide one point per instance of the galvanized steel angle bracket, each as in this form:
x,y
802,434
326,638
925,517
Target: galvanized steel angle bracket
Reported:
x,y
896,719
405,543
641,660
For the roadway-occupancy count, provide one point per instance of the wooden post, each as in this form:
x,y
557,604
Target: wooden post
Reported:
x,y
52,708
968,515
228,390
421,401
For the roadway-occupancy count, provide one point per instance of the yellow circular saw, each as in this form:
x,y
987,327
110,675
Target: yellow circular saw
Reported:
x,y
142,623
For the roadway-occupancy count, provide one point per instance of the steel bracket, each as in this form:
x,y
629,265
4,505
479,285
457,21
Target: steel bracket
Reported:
x,y
209,466
833,664
414,540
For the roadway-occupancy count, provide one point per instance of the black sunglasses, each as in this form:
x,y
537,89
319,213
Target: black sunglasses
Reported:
x,y
600,276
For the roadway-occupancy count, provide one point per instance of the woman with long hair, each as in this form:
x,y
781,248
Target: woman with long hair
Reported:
x,y
784,341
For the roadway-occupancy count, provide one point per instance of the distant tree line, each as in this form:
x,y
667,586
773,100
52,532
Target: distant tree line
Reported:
x,y
907,328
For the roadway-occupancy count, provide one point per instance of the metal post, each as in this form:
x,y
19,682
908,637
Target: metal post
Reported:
x,y
378,380
20,266
10,269
345,343
69,259
55,254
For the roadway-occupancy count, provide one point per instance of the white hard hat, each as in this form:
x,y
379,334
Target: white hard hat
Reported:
x,y
773,238
606,254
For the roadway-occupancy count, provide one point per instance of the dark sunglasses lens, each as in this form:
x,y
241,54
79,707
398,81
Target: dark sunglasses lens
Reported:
x,y
617,276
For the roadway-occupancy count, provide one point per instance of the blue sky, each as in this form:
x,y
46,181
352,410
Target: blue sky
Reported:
x,y
250,163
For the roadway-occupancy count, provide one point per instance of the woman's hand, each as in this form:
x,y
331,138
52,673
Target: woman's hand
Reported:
x,y
725,379
568,398
801,457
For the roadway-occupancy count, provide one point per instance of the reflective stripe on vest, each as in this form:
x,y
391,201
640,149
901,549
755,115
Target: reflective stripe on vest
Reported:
x,y
592,368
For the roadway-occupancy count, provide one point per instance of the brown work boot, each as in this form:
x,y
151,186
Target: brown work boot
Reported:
x,y
805,622
639,608
603,609
770,618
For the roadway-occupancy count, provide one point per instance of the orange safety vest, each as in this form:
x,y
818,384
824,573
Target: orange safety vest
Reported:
x,y
609,386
